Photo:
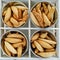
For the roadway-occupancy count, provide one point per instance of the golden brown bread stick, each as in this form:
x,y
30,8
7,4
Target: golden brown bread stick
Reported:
x,y
14,22
51,14
7,15
48,41
35,37
39,18
19,51
15,10
44,44
38,46
13,40
46,20
16,45
7,51
46,54
43,35
10,48
34,19
50,50
15,35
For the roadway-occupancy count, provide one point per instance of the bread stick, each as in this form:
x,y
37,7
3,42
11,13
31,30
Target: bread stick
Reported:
x,y
7,15
13,40
10,48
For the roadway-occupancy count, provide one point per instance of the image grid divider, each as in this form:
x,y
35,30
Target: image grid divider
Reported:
x,y
29,31
59,25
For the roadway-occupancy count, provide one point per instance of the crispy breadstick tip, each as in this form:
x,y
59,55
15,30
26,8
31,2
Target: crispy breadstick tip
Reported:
x,y
47,54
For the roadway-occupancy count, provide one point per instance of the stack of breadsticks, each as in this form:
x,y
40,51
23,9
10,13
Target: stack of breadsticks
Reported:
x,y
15,15
43,14
43,45
14,44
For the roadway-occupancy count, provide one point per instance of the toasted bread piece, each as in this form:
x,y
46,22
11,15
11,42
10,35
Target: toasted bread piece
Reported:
x,y
50,50
35,37
15,35
48,41
51,14
34,19
19,51
39,18
46,20
7,15
10,48
39,11
7,51
15,10
38,46
44,44
43,35
47,54
16,45
13,40
14,22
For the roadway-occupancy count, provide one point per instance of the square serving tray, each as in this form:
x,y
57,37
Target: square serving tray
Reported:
x,y
29,28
